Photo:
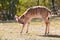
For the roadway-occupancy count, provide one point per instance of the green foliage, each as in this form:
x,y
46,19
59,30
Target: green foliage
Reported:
x,y
24,4
18,7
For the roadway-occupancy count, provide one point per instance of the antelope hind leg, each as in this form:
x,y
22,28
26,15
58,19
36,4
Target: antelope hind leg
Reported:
x,y
47,26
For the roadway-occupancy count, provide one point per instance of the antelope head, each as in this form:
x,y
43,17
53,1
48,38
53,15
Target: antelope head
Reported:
x,y
19,19
16,17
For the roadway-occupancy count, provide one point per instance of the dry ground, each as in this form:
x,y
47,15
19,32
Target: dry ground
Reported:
x,y
11,31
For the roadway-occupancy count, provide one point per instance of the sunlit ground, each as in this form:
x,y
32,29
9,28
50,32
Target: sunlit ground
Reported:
x,y
11,31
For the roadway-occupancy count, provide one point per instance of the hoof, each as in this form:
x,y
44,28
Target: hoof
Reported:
x,y
26,31
21,32
46,33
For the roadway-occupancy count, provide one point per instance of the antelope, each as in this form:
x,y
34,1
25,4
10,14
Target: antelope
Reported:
x,y
35,12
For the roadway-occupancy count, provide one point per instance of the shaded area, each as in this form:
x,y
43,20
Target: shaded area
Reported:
x,y
8,9
56,36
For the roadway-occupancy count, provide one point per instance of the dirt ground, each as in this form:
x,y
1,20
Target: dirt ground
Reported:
x,y
11,31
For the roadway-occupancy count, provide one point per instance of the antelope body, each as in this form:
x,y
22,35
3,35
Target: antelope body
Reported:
x,y
35,12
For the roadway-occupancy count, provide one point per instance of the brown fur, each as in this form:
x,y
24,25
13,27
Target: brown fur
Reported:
x,y
35,12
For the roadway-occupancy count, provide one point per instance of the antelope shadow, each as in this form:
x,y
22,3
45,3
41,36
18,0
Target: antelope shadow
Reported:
x,y
51,35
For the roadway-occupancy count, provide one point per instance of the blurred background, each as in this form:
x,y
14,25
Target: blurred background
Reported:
x,y
10,29
9,8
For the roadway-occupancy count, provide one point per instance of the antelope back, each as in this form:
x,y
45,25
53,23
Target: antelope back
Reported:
x,y
37,11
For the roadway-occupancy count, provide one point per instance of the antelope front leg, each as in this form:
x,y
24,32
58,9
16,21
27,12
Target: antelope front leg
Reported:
x,y
27,27
22,28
